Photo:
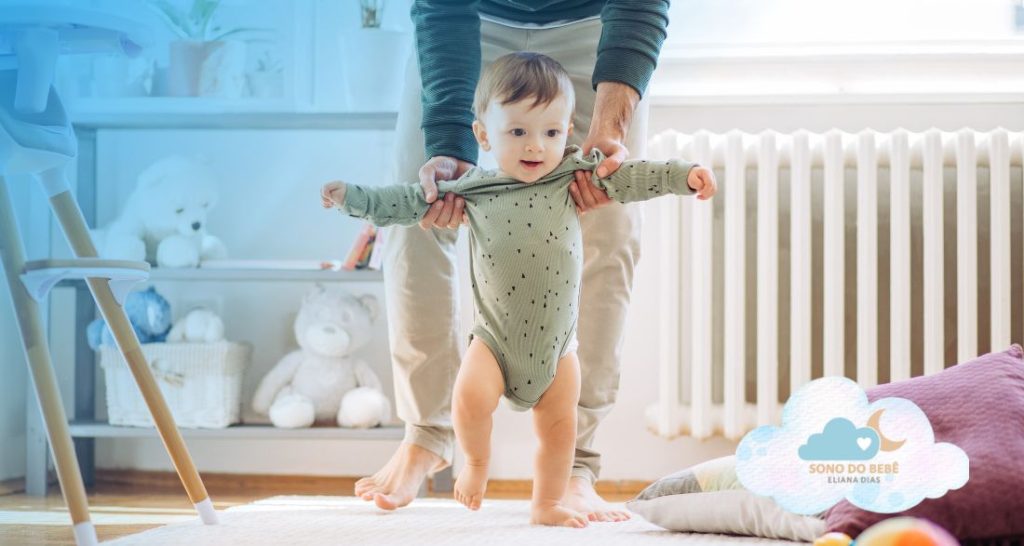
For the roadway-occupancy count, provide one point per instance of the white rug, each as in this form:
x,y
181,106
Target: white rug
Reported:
x,y
300,521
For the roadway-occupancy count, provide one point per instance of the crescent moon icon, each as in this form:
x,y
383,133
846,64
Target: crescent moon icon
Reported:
x,y
885,444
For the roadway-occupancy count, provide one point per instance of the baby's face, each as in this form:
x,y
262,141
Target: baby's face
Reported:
x,y
527,141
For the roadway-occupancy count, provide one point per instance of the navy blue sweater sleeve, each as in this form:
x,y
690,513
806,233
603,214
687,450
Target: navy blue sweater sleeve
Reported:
x,y
632,34
448,48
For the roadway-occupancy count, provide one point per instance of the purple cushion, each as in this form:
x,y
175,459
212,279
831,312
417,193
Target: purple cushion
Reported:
x,y
978,406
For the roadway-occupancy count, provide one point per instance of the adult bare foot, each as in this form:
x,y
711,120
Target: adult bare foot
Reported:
x,y
581,497
557,514
396,484
471,485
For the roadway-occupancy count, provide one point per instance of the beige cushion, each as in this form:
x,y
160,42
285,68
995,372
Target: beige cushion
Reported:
x,y
708,498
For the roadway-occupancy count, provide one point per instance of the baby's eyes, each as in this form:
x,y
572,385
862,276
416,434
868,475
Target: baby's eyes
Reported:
x,y
551,133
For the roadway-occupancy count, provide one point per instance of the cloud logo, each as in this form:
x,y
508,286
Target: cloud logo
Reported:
x,y
841,441
833,445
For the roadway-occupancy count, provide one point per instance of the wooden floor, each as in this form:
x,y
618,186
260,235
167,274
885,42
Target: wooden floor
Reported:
x,y
127,502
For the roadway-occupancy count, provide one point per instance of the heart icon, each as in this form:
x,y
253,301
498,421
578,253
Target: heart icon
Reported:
x,y
864,442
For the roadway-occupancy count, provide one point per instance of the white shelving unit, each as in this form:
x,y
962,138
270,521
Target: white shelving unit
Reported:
x,y
100,429
263,274
84,427
175,114
229,119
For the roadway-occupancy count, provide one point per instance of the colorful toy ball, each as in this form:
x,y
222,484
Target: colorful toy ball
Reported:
x,y
905,531
833,539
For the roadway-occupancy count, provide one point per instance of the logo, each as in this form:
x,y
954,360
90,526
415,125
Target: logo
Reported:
x,y
834,444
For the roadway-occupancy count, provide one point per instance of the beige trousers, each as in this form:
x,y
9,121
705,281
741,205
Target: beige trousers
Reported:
x,y
420,266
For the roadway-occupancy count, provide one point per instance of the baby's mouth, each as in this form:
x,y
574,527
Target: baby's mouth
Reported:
x,y
530,164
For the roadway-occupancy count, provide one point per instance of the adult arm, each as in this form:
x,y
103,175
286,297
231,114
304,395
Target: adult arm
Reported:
x,y
633,32
448,48
609,126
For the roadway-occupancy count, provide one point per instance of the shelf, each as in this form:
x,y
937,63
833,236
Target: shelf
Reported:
x,y
100,429
242,274
383,121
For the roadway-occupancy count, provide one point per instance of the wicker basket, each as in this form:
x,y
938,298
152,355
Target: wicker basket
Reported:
x,y
201,382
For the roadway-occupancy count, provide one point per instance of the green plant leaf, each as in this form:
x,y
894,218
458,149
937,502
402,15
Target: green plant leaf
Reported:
x,y
196,24
201,14
175,18
241,30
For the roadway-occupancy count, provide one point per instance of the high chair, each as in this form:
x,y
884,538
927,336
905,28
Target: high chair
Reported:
x,y
36,139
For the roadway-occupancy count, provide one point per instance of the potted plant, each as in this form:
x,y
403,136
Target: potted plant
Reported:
x,y
203,61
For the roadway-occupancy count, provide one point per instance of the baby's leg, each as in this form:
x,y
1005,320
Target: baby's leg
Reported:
x,y
478,387
554,418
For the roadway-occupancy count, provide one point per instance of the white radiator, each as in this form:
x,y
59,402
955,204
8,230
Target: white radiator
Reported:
x,y
877,256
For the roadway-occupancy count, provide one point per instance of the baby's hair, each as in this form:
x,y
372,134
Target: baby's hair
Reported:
x,y
522,75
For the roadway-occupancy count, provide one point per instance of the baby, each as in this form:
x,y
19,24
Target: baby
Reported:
x,y
526,265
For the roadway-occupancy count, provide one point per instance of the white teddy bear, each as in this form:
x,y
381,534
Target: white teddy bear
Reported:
x,y
198,326
322,382
164,219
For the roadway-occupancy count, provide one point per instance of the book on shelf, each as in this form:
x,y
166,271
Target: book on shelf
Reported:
x,y
364,259
365,253
359,246
377,256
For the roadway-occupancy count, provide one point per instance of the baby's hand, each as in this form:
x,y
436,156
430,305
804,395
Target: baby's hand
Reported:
x,y
332,194
702,181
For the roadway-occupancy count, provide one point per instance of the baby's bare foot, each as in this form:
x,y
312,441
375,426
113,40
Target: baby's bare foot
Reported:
x,y
556,514
471,485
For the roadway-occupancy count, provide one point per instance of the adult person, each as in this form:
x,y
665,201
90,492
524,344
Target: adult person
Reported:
x,y
610,49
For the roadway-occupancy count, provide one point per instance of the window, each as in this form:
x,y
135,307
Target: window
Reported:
x,y
741,24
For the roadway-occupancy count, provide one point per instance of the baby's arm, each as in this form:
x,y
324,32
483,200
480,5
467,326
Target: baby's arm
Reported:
x,y
402,204
640,180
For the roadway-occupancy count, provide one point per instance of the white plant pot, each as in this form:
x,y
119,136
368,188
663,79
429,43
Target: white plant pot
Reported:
x,y
206,69
374,65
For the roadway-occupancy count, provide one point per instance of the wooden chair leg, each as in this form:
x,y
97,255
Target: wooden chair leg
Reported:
x,y
77,233
37,352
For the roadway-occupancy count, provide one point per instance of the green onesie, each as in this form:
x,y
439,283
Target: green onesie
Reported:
x,y
527,253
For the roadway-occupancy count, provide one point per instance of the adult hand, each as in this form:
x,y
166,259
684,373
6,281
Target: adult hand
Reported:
x,y
586,195
447,212
613,109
